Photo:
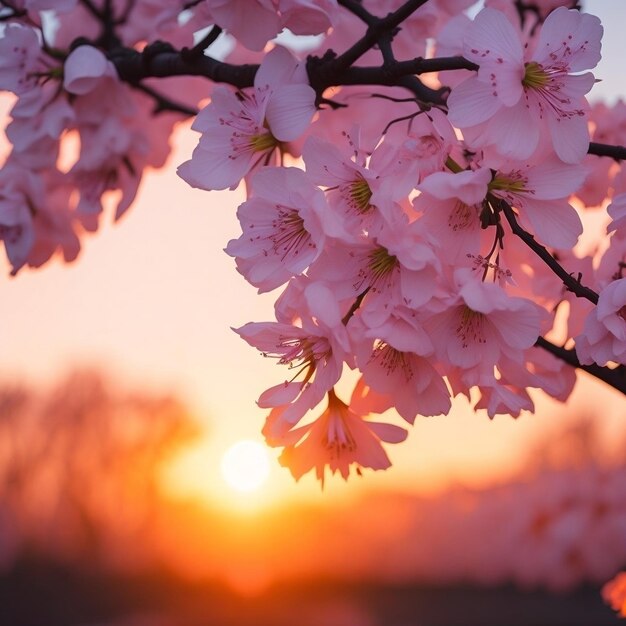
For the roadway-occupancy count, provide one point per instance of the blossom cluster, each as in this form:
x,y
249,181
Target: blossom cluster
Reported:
x,y
428,246
79,135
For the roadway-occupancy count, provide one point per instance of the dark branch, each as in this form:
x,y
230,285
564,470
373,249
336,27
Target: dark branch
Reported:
x,y
161,60
91,7
133,66
356,8
423,93
602,149
393,73
354,308
189,54
164,104
615,377
373,34
128,9
573,284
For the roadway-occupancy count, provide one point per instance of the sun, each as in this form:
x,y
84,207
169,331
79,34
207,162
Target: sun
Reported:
x,y
245,466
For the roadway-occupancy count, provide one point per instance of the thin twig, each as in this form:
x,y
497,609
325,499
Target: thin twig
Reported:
x,y
91,7
355,306
164,104
189,54
128,9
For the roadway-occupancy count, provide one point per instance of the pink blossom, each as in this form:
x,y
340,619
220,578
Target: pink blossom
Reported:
x,y
427,146
338,439
21,193
153,19
307,17
255,22
360,192
39,116
451,205
397,268
519,96
397,370
479,323
539,191
20,58
316,349
604,336
503,399
54,223
241,130
84,68
356,105
285,224
612,263
617,211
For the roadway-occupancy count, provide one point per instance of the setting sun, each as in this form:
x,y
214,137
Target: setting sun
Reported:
x,y
245,465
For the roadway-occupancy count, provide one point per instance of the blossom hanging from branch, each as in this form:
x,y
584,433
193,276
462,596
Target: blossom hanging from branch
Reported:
x,y
423,231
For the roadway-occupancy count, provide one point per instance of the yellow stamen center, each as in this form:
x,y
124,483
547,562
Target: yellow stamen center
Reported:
x,y
535,77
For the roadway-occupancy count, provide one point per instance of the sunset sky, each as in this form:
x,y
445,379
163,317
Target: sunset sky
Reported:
x,y
152,300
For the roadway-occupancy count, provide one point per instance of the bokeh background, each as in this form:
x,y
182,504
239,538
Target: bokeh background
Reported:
x,y
122,386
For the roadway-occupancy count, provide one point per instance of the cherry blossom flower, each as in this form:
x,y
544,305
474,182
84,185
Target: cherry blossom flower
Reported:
x,y
604,336
397,369
479,323
397,268
349,182
285,224
84,68
255,22
243,129
427,145
338,439
39,118
520,96
617,211
451,205
21,59
21,193
539,191
499,398
316,350
364,191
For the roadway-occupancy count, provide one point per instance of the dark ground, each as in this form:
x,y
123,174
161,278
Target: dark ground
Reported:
x,y
39,594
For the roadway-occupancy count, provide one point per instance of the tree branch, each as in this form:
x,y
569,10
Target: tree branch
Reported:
x,y
391,72
164,104
356,8
602,149
374,32
615,377
91,7
189,54
573,284
160,60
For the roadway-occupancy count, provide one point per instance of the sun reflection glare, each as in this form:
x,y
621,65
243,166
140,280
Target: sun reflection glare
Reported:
x,y
245,466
